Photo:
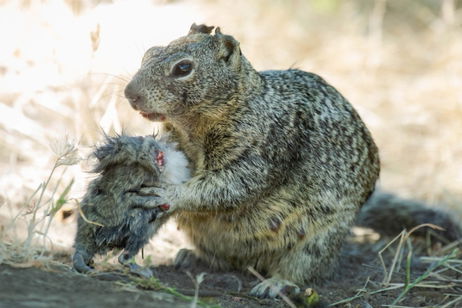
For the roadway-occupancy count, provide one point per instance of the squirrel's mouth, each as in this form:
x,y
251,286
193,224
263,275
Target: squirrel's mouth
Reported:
x,y
153,116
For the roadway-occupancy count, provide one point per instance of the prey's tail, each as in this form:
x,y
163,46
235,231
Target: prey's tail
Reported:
x,y
389,214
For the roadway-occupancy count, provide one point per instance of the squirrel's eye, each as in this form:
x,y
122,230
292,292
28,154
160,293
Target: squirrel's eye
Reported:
x,y
182,68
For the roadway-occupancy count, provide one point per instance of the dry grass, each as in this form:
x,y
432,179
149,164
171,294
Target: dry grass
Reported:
x,y
443,270
63,66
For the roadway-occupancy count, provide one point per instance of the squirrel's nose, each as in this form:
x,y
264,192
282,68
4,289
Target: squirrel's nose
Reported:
x,y
133,94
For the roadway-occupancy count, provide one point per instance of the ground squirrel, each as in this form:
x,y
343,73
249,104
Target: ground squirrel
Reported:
x,y
114,214
281,162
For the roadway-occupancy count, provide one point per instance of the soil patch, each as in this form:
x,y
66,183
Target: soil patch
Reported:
x,y
57,285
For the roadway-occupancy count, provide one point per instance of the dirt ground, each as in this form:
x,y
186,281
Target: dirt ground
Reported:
x,y
359,272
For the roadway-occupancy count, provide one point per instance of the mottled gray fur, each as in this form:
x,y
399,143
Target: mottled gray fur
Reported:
x,y
281,161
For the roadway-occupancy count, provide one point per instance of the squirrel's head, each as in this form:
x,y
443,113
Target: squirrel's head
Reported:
x,y
127,150
191,74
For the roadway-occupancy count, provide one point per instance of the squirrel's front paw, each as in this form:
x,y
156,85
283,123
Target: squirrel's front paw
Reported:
x,y
272,287
166,197
150,198
145,201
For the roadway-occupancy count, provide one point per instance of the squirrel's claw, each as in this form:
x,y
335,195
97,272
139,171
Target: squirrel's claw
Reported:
x,y
151,191
145,201
158,196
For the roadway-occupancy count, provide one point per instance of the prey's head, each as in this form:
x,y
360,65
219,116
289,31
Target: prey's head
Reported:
x,y
199,69
130,151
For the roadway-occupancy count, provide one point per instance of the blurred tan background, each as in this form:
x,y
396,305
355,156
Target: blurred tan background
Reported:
x,y
64,64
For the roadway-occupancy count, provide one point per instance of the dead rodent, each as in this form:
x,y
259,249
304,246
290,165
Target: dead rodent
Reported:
x,y
281,161
115,216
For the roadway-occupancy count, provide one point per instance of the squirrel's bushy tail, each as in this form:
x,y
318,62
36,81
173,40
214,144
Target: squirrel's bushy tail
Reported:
x,y
389,214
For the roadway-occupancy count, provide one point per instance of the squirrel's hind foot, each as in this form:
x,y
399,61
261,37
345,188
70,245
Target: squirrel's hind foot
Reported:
x,y
273,287
185,258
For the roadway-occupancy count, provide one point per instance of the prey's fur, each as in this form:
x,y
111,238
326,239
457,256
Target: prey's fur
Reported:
x,y
115,216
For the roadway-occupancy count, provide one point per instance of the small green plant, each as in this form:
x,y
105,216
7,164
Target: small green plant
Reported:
x,y
197,282
147,262
42,205
154,284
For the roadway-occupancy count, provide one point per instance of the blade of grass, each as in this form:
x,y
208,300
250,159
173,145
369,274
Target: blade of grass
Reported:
x,y
408,263
84,217
449,304
424,275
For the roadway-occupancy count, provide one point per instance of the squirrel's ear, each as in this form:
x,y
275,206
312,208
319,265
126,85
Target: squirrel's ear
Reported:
x,y
200,29
229,48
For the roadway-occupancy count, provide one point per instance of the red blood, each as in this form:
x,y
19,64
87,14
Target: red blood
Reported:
x,y
165,207
160,158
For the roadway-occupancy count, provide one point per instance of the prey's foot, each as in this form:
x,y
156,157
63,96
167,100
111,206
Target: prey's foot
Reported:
x,y
80,265
141,271
185,258
272,287
127,259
